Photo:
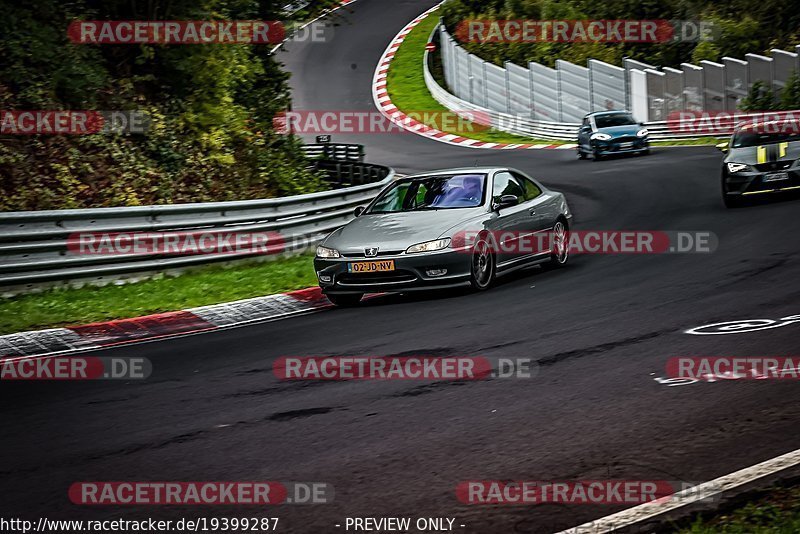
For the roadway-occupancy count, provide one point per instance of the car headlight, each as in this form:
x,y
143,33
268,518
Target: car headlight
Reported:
x,y
642,133
600,136
738,167
429,246
325,252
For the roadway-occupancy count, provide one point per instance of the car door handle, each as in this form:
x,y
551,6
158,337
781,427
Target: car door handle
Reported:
x,y
532,211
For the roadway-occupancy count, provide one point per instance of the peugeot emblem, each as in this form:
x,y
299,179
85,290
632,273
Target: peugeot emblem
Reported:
x,y
371,252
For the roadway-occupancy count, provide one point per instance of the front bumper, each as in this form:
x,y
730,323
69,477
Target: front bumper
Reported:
x,y
624,145
753,183
410,273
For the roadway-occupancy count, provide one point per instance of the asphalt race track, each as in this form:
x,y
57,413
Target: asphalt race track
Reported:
x,y
601,329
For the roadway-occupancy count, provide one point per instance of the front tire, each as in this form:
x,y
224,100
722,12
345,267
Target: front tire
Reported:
x,y
482,270
731,201
581,154
347,300
596,155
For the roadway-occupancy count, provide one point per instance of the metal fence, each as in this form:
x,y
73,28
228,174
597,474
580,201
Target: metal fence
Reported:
x,y
34,244
335,151
568,92
519,123
343,165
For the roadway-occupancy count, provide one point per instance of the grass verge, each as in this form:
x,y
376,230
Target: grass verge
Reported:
x,y
206,285
777,512
698,141
405,83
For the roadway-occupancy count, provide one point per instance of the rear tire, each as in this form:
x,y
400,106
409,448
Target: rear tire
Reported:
x,y
345,300
560,252
482,270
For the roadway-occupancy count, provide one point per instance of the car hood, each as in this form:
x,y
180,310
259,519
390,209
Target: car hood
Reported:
x,y
395,232
770,152
621,131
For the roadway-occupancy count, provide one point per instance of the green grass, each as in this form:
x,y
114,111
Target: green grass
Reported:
x,y
406,86
699,141
200,287
778,512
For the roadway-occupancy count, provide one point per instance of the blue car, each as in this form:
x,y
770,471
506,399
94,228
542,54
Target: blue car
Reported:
x,y
604,133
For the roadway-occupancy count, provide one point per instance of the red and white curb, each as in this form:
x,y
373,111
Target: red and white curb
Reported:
x,y
383,102
150,327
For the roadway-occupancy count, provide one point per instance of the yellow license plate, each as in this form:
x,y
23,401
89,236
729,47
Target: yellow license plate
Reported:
x,y
371,266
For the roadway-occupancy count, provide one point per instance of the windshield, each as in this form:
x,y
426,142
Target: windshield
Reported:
x,y
761,136
614,119
432,193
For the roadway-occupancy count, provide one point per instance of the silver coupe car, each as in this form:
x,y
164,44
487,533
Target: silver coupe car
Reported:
x,y
443,229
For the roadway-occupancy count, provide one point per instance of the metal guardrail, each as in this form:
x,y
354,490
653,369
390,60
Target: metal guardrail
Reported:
x,y
34,244
521,125
347,174
343,164
334,151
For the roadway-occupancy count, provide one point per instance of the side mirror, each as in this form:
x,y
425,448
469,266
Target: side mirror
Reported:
x,y
358,211
505,201
723,147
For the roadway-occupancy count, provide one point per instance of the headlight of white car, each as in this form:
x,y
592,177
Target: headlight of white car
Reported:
x,y
600,136
738,167
642,133
325,252
429,246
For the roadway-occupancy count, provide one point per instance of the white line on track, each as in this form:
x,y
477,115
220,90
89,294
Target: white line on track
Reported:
x,y
691,495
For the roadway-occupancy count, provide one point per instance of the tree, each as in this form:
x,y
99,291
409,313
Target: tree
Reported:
x,y
759,98
790,95
211,108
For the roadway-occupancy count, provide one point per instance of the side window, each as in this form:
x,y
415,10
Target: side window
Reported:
x,y
585,123
531,189
505,184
